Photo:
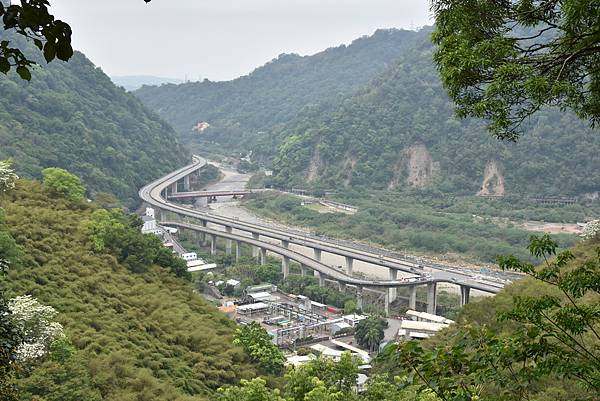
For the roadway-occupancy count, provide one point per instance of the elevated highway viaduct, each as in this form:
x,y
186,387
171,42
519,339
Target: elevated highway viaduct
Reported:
x,y
261,238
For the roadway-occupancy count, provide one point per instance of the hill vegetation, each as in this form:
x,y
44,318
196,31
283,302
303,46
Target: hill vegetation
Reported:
x,y
70,115
137,330
242,111
399,133
409,225
534,340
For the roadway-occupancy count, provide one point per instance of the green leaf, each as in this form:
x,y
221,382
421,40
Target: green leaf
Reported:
x,y
49,51
38,43
64,51
24,73
4,65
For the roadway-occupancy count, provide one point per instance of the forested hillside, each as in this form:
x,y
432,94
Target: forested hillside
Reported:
x,y
72,116
400,133
138,331
242,110
524,325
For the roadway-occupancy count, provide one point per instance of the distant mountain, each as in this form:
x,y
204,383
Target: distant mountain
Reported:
x,y
399,133
72,116
241,111
133,82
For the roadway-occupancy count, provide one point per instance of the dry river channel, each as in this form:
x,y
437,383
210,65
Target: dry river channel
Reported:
x,y
231,208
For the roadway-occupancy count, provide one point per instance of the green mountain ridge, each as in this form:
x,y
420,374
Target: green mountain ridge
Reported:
x,y
363,123
134,82
399,133
241,109
72,116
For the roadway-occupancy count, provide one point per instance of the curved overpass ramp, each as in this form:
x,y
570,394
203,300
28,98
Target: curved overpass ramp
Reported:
x,y
152,194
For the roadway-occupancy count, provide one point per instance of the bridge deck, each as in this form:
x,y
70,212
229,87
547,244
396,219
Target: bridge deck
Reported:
x,y
151,194
206,194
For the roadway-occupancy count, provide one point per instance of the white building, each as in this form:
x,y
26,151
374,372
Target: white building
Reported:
x,y
170,230
233,283
335,327
199,265
414,329
263,296
297,360
427,317
353,319
189,256
249,309
150,226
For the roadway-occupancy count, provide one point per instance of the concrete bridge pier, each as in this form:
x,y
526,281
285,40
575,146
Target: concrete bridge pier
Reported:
x,y
465,294
238,250
393,291
302,270
213,244
431,298
228,243
386,303
321,278
349,263
255,236
186,183
285,243
359,297
203,223
317,253
174,188
285,266
341,286
412,299
263,256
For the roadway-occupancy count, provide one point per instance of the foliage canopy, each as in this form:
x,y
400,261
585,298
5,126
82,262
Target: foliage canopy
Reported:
x,y
505,60
143,335
549,337
72,116
62,182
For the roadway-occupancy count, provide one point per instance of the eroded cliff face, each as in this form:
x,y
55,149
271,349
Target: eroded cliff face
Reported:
x,y
349,165
396,175
421,166
493,179
315,166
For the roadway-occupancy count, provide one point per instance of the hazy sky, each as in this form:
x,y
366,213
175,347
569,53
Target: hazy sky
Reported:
x,y
221,39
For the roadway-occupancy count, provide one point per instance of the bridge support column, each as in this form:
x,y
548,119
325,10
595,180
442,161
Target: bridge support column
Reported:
x,y
341,286
186,183
285,243
349,262
359,297
285,267
238,251
228,243
263,256
431,297
321,278
203,234
317,253
386,303
213,244
393,291
255,236
465,294
174,188
412,298
302,270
